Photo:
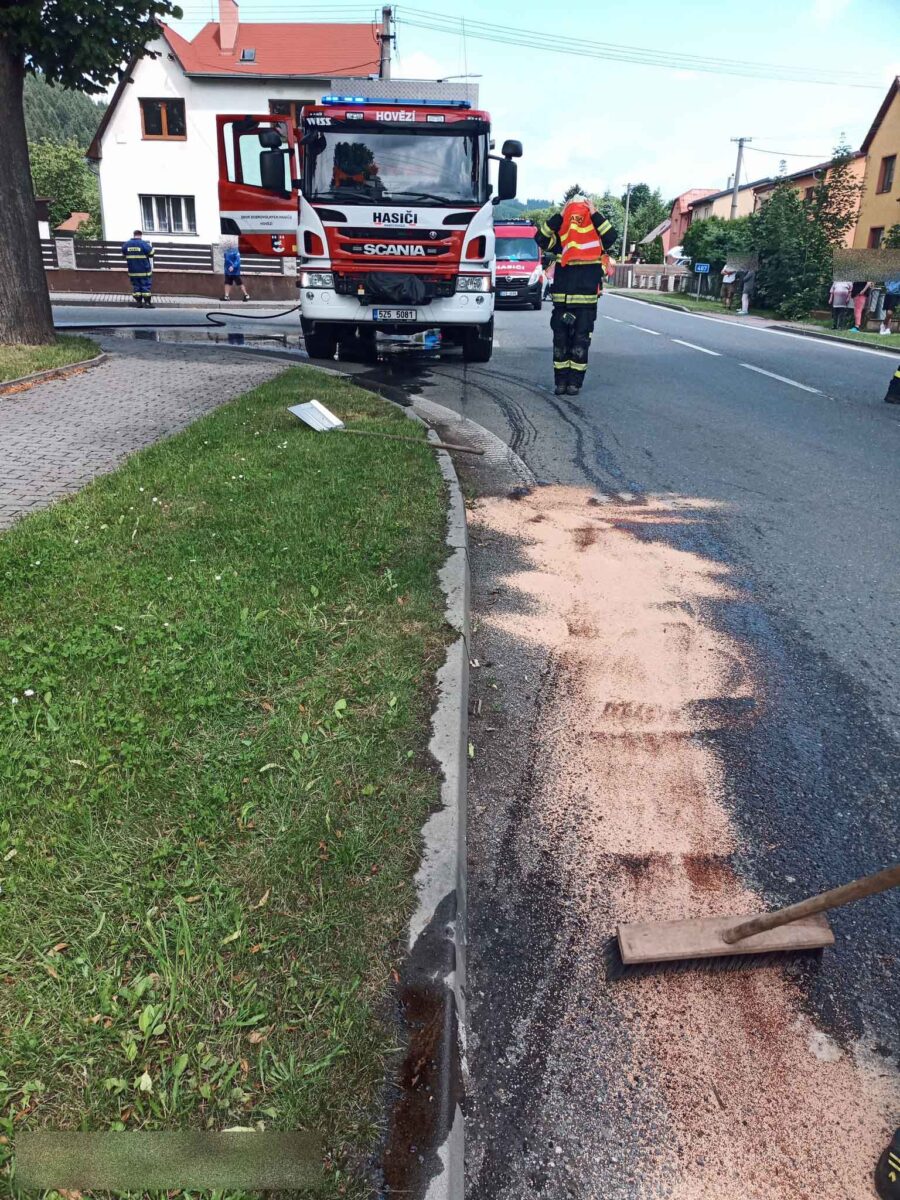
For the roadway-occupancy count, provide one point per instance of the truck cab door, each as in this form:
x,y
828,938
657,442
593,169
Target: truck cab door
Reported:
x,y
258,185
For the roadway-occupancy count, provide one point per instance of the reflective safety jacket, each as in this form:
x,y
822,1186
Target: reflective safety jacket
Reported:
x,y
138,257
578,249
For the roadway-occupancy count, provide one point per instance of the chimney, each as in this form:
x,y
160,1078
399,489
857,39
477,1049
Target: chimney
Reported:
x,y
228,26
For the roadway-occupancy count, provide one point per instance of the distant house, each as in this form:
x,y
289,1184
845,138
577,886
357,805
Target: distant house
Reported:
x,y
70,226
880,205
156,144
680,216
718,204
805,182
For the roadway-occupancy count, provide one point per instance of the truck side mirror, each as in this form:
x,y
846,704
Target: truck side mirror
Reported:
x,y
507,179
271,170
511,149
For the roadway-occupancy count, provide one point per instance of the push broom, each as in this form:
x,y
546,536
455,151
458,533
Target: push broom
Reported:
x,y
797,927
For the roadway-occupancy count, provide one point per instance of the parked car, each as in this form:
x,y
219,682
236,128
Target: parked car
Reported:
x,y
520,276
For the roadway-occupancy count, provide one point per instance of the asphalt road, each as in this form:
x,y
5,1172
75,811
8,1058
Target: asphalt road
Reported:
x,y
795,478
784,446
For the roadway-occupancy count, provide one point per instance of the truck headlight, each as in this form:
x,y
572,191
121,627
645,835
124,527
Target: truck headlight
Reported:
x,y
316,279
473,283
535,276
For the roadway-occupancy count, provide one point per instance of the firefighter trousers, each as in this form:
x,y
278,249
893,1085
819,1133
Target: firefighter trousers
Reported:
x,y
572,325
141,285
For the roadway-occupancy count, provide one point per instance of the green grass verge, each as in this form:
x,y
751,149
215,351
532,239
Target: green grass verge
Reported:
x,y
888,342
214,702
16,361
712,308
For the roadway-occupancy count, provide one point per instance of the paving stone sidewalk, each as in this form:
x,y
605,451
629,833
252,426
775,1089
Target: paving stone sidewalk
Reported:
x,y
58,436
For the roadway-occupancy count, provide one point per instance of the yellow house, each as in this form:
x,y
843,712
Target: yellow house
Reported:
x,y
880,205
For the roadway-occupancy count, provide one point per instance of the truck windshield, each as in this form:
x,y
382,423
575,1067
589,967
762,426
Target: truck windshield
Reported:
x,y
517,249
366,166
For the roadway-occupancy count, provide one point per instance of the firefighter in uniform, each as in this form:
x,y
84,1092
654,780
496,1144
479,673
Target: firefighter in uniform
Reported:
x,y
578,238
139,261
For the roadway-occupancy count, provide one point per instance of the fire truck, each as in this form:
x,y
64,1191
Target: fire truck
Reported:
x,y
388,202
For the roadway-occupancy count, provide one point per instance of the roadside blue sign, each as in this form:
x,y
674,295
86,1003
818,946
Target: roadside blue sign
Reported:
x,y
701,268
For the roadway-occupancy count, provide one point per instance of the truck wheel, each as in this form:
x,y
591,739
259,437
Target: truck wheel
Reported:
x,y
320,342
537,304
478,343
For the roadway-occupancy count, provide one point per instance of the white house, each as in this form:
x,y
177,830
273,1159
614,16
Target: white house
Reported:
x,y
156,145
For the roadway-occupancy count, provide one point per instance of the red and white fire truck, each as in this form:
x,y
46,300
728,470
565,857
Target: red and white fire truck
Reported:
x,y
390,203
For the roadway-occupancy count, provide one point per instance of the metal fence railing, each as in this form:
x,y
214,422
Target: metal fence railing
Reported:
x,y
167,256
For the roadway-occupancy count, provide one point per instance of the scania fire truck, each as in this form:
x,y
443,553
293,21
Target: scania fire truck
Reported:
x,y
390,202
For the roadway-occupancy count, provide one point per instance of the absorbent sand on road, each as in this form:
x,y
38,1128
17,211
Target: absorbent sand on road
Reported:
x,y
696,1085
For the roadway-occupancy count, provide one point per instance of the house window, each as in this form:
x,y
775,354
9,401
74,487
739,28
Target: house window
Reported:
x,y
289,108
248,55
168,214
875,236
886,174
163,120
808,194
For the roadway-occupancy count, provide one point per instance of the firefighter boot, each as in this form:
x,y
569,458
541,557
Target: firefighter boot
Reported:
x,y
893,392
887,1173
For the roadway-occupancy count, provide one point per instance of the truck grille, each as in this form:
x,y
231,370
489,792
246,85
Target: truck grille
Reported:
x,y
348,285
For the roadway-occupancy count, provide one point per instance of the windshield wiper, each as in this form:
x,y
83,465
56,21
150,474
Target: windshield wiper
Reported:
x,y
360,193
431,196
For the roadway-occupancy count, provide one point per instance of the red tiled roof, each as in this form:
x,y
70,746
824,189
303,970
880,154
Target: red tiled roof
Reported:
x,y
286,50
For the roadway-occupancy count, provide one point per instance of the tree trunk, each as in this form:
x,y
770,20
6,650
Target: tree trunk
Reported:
x,y
25,314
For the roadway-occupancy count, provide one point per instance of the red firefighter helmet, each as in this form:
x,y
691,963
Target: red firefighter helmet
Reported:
x,y
578,237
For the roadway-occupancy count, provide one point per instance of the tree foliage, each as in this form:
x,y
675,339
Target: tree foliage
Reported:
x,y
794,254
651,210
59,113
60,171
81,44
835,201
892,238
714,239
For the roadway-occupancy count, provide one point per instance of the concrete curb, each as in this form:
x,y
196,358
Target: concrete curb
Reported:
x,y
54,372
437,928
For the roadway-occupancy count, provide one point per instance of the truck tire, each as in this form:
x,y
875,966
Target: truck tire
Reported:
x,y
478,343
321,341
537,304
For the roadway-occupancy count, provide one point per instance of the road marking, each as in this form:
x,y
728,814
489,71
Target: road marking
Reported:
x,y
496,342
606,318
694,346
644,329
782,379
737,324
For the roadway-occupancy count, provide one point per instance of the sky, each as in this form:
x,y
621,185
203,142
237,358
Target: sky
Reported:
x,y
603,124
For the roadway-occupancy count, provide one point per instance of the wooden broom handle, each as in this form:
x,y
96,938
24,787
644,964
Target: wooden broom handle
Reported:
x,y
870,885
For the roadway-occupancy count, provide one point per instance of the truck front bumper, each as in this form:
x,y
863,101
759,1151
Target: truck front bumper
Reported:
x,y
465,308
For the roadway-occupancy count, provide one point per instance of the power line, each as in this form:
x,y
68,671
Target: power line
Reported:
x,y
788,154
539,40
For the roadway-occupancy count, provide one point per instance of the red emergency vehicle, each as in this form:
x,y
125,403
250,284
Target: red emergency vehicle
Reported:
x,y
391,203
520,276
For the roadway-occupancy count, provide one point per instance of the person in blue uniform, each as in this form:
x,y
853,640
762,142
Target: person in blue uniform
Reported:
x,y
139,261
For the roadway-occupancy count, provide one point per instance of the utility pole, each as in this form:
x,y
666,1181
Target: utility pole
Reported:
x,y
386,39
625,230
737,174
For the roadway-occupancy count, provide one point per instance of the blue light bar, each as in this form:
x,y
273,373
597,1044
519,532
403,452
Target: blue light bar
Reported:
x,y
396,100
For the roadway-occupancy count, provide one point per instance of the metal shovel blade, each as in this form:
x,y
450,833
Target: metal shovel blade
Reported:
x,y
317,416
